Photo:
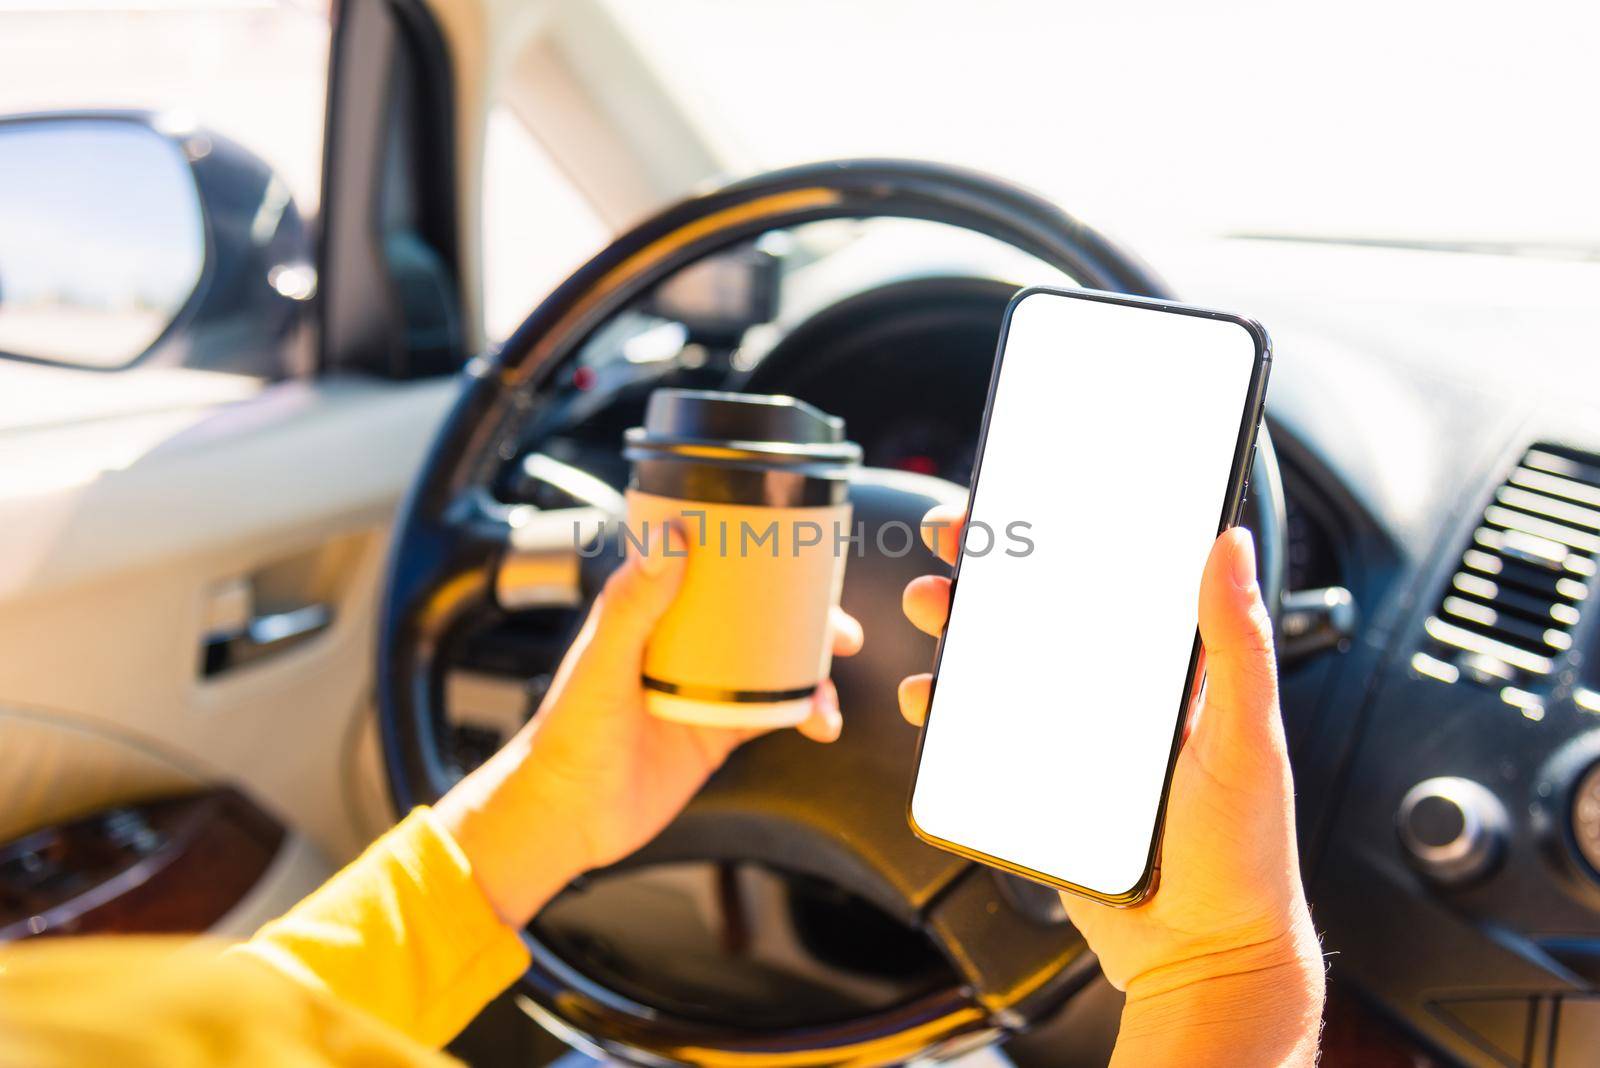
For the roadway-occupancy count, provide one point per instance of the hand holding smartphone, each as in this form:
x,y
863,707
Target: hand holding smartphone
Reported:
x,y
1120,431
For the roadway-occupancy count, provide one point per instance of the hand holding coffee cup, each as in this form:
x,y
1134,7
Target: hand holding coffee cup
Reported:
x,y
759,485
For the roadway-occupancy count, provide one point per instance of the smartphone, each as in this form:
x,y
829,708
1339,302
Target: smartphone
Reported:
x,y
1116,446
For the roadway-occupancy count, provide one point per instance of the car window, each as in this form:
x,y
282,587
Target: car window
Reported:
x,y
113,119
537,227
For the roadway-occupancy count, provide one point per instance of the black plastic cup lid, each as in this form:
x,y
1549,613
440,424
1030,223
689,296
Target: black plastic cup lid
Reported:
x,y
706,424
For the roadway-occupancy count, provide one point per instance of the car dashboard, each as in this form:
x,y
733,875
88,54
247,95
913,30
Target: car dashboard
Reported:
x,y
1445,403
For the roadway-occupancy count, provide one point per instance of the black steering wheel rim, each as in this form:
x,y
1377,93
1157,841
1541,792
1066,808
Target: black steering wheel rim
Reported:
x,y
450,533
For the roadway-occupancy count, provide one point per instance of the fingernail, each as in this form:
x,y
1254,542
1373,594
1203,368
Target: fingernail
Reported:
x,y
1244,560
832,718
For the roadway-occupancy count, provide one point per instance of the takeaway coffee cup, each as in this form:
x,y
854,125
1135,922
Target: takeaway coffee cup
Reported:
x,y
759,486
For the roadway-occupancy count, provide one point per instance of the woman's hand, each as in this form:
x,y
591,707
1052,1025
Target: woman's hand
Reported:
x,y
1222,965
594,776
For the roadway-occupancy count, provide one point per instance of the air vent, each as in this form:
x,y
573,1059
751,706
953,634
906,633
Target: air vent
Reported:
x,y
1507,618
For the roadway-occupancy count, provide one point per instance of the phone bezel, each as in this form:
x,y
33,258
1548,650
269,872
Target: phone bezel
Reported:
x,y
1232,509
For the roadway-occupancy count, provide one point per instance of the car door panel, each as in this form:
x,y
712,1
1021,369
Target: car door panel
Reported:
x,y
107,599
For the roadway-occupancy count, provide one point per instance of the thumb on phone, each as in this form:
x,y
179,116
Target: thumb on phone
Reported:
x,y
1239,715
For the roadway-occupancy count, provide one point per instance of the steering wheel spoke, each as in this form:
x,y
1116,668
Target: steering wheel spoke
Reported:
x,y
543,563
1012,949
546,557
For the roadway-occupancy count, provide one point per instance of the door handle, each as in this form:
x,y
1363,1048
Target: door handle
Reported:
x,y
262,636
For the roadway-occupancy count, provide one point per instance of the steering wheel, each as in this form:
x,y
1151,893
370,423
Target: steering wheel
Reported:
x,y
835,813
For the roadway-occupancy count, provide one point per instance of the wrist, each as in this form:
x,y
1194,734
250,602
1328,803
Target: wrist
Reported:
x,y
522,852
1293,948
1259,1004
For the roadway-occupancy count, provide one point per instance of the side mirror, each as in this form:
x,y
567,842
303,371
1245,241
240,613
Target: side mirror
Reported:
x,y
124,239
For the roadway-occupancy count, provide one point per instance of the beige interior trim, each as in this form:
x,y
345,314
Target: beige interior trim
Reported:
x,y
57,769
107,580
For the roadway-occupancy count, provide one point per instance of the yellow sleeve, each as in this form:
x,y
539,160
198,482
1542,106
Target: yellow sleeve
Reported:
x,y
178,1001
403,933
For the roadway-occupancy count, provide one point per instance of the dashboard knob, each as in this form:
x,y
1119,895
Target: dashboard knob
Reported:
x,y
1566,815
1452,830
1585,816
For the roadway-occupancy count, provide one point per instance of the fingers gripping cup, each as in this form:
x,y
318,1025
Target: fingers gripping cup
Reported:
x,y
760,487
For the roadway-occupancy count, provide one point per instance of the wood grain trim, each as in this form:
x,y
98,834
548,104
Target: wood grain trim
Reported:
x,y
169,866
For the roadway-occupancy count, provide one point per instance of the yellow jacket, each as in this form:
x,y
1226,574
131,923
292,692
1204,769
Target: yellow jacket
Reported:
x,y
380,966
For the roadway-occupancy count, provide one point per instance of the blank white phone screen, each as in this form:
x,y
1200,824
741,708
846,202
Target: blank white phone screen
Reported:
x,y
1061,680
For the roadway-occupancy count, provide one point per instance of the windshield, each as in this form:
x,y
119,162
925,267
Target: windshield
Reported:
x,y
1424,123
